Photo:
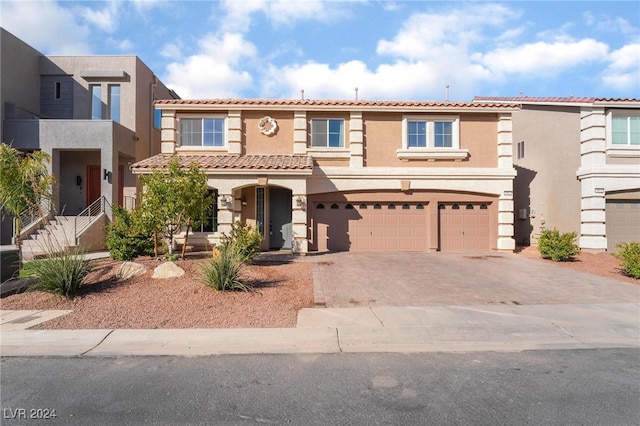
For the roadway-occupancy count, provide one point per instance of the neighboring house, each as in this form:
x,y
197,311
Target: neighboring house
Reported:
x,y
93,115
578,164
318,175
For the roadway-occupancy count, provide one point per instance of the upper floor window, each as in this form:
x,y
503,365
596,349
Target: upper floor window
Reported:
x,y
96,101
202,132
431,132
520,149
327,133
625,130
114,102
157,119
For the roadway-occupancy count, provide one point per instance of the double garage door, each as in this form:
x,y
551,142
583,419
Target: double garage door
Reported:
x,y
372,226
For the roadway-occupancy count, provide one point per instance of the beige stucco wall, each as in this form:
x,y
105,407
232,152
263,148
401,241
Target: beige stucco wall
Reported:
x,y
383,136
546,184
254,142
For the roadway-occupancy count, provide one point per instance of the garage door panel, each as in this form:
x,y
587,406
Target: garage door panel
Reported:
x,y
622,222
467,227
375,226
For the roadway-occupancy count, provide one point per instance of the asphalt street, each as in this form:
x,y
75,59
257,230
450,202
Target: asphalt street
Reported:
x,y
587,387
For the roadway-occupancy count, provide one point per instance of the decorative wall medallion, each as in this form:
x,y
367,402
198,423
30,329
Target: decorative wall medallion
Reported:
x,y
267,126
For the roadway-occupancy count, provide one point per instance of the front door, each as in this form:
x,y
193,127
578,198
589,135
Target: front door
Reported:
x,y
280,222
93,184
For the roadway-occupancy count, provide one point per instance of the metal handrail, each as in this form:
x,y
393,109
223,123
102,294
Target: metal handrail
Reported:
x,y
33,216
83,220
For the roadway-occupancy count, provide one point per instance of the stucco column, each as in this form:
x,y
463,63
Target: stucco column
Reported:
x,y
593,228
356,140
300,243
234,132
300,132
168,134
505,222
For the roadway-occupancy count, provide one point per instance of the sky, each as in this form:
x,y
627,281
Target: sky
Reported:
x,y
388,50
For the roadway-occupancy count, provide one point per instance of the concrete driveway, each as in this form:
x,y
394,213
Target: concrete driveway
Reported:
x,y
346,280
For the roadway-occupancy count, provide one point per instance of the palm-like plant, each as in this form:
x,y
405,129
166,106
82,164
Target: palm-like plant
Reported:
x,y
24,183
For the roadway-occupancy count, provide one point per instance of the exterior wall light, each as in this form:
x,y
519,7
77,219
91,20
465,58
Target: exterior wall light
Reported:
x,y
301,201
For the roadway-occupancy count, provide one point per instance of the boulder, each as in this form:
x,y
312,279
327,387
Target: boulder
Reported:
x,y
130,269
168,270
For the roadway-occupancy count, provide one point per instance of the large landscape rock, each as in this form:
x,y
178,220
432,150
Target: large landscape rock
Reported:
x,y
168,270
130,269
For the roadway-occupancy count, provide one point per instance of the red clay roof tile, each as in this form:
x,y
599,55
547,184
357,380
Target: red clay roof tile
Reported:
x,y
230,162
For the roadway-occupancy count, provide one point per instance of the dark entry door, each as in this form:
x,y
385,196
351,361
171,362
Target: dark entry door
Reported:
x,y
93,184
280,223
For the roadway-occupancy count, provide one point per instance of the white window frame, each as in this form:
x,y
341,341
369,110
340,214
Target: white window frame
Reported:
x,y
619,150
223,147
343,135
431,152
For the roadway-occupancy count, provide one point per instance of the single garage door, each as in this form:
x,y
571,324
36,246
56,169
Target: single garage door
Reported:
x,y
464,226
623,222
371,226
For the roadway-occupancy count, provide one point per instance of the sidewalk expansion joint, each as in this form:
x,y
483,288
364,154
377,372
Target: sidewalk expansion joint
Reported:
x,y
338,338
374,314
97,344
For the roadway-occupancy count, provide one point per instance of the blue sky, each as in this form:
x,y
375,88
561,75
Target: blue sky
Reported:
x,y
387,49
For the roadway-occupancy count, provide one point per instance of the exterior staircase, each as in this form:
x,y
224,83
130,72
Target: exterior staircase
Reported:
x,y
51,237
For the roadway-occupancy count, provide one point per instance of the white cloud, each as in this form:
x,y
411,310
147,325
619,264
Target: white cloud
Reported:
x,y
171,50
125,45
543,57
623,73
216,72
54,29
238,14
105,19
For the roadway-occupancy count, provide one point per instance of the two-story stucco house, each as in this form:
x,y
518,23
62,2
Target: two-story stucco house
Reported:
x,y
93,115
318,175
578,165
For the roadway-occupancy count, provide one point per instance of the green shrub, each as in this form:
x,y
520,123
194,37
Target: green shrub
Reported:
x,y
557,246
60,272
126,236
629,256
246,239
223,271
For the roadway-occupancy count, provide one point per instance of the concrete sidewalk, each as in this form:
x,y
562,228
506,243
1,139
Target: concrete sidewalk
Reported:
x,y
350,330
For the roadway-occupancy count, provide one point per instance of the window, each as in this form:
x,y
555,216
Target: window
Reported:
x,y
625,130
114,102
431,132
58,90
260,210
431,137
96,101
157,119
210,223
327,133
202,131
443,134
417,136
334,206
520,150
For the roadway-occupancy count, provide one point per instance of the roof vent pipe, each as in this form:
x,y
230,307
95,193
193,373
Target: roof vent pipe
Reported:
x,y
302,94
446,93
356,89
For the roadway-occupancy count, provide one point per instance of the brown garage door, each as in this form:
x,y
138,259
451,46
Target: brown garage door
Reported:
x,y
371,226
464,226
623,222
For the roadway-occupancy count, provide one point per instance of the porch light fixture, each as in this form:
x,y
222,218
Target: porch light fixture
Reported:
x,y
229,202
300,201
243,200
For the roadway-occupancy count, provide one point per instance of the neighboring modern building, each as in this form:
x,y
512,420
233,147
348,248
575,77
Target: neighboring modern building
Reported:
x,y
578,164
321,175
93,115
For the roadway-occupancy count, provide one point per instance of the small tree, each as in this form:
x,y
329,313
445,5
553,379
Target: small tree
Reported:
x,y
25,183
173,198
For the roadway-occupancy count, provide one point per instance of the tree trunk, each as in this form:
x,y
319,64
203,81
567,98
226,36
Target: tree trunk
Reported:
x,y
186,239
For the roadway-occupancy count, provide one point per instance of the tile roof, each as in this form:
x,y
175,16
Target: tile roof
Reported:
x,y
551,100
228,162
328,103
